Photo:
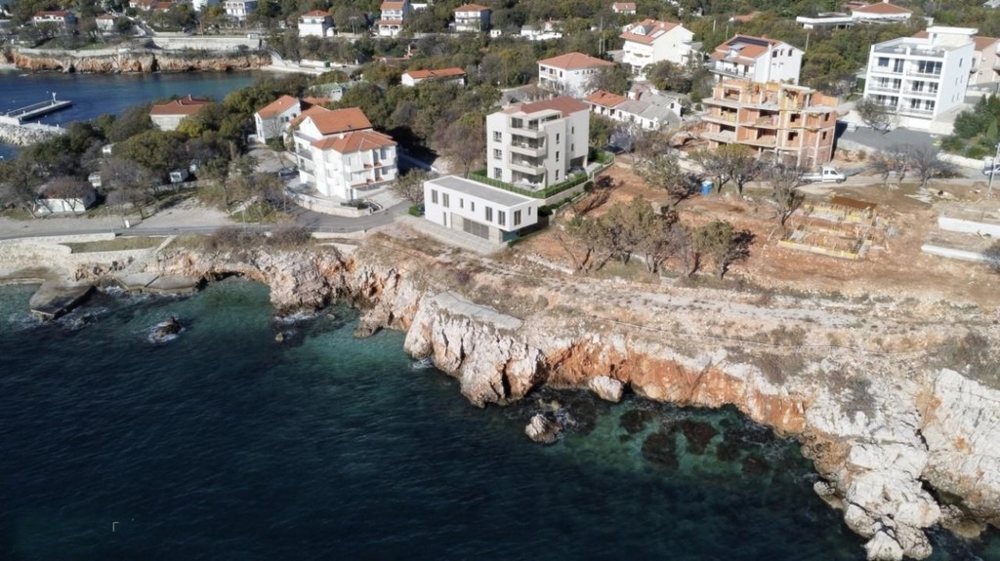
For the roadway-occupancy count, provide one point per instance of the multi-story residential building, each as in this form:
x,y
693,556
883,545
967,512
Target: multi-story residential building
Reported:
x,y
200,5
61,18
794,124
826,20
274,119
921,78
105,23
446,75
478,209
316,23
570,73
537,144
392,16
239,9
643,107
985,63
757,59
472,17
166,116
651,41
340,156
624,8
545,32
880,12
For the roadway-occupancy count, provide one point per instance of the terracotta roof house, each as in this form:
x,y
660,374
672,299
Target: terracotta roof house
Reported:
x,y
272,120
627,8
472,18
651,41
339,155
166,116
316,23
570,73
449,75
759,59
392,16
54,17
881,12
643,107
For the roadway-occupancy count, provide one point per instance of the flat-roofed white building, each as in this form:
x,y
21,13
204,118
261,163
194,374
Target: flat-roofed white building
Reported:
x,y
922,77
472,17
478,209
537,144
316,23
239,9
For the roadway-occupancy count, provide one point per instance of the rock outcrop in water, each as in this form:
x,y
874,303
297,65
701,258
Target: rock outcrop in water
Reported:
x,y
884,436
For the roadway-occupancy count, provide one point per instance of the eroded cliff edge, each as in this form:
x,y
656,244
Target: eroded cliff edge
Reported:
x,y
901,445
136,61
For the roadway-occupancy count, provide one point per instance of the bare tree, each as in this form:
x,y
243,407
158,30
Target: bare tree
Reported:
x,y
876,115
892,161
664,172
73,192
712,166
463,142
926,164
740,162
599,194
784,191
130,181
411,186
992,257
18,185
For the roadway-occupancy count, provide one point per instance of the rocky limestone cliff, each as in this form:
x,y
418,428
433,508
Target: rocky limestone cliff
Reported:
x,y
881,432
138,61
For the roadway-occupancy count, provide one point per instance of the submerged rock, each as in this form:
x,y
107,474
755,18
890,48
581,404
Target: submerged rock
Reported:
x,y
755,465
167,330
634,420
607,388
698,435
660,448
542,429
366,329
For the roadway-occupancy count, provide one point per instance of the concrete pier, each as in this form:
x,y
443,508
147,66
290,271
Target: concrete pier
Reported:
x,y
54,299
35,110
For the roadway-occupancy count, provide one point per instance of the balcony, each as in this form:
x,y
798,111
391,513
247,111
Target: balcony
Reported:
x,y
726,137
883,88
731,71
761,122
885,70
527,149
529,167
920,93
924,73
916,111
304,154
767,141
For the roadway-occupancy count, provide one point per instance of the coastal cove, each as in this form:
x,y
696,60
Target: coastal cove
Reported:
x,y
96,94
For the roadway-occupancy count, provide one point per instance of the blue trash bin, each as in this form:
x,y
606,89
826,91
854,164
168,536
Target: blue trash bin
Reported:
x,y
706,188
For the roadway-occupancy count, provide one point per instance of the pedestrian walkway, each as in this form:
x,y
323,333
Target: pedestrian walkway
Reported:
x,y
451,237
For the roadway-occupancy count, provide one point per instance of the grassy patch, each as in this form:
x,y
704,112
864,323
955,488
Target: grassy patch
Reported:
x,y
122,243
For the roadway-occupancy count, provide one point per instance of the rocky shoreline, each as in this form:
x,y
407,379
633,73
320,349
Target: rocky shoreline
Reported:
x,y
900,447
140,60
22,135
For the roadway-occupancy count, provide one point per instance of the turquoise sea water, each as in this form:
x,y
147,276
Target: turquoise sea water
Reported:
x,y
96,94
226,445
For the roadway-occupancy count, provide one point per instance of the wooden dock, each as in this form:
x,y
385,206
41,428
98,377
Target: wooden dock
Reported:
x,y
29,112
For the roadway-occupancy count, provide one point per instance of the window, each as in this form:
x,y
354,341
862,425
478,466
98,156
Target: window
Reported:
x,y
501,218
472,206
489,214
883,62
557,175
517,218
529,211
557,156
444,199
498,136
572,130
557,138
434,196
461,202
497,154
824,135
497,173
572,147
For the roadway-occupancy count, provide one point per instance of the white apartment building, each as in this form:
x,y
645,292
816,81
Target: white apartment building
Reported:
x,y
757,59
472,18
986,59
537,144
316,23
60,18
570,73
392,16
274,119
478,209
651,41
239,9
921,78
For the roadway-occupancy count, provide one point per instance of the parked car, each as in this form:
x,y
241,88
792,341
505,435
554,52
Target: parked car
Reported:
x,y
826,174
286,173
179,175
988,171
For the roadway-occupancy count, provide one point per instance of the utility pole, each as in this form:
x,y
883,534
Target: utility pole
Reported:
x,y
993,170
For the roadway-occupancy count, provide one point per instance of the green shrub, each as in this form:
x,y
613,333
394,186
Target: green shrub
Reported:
x,y
416,210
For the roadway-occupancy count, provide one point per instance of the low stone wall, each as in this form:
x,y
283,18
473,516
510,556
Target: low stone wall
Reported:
x,y
952,253
968,226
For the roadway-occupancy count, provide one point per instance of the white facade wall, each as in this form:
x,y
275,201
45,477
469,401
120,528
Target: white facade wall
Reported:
x,y
240,9
488,212
673,46
200,5
540,156
472,21
276,126
347,176
314,26
780,64
919,78
570,82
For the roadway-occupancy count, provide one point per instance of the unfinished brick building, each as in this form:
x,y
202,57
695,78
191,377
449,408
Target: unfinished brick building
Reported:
x,y
791,124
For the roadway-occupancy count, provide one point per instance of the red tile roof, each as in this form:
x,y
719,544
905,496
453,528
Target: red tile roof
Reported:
x,y
338,120
57,13
317,13
439,73
277,107
604,99
575,61
565,105
355,142
882,8
471,8
623,6
393,5
184,106
647,31
747,47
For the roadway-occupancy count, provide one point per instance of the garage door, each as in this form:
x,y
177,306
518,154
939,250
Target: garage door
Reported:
x,y
476,229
